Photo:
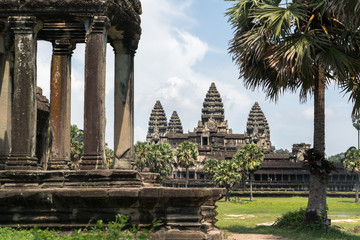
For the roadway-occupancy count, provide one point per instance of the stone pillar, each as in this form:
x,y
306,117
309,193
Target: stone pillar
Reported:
x,y
94,105
23,119
60,104
5,98
124,105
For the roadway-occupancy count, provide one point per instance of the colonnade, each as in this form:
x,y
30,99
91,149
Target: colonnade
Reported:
x,y
18,47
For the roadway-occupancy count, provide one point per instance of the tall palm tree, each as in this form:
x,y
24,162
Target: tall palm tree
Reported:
x,y
249,159
141,150
227,174
210,167
186,155
352,164
159,159
305,45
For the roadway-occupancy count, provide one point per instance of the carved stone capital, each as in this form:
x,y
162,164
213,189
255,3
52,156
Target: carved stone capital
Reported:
x,y
124,46
99,24
23,24
63,47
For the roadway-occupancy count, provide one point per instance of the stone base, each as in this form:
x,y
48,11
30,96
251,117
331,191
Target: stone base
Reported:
x,y
122,163
77,199
58,164
21,162
3,160
91,162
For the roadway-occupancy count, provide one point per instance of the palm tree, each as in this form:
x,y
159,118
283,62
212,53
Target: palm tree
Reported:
x,y
210,167
159,159
301,45
141,150
76,146
249,159
352,164
186,155
227,174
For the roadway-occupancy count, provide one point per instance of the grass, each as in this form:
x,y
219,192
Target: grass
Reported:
x,y
242,216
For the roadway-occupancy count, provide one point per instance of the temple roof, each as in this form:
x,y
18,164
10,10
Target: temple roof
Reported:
x,y
213,107
70,17
175,123
158,120
257,122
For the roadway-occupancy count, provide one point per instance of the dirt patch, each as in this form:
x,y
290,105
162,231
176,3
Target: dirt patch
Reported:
x,y
265,224
254,237
345,220
238,216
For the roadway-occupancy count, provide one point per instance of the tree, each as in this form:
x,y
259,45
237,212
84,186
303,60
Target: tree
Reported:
x,y
109,155
337,157
141,150
159,159
249,159
186,155
356,123
301,45
210,167
282,151
227,174
76,146
352,164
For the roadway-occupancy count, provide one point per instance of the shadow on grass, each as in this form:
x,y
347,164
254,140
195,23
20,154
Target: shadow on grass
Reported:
x,y
297,234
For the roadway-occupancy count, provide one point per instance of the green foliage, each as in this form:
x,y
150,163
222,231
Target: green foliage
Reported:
x,y
337,157
227,174
109,154
293,220
141,150
76,145
186,154
159,158
356,121
249,158
352,160
282,151
279,46
114,230
210,167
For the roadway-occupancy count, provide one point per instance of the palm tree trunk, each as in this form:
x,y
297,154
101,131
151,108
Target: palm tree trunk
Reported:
x,y
251,193
357,188
187,177
227,196
316,208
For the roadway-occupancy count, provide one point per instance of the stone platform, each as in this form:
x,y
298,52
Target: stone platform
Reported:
x,y
77,199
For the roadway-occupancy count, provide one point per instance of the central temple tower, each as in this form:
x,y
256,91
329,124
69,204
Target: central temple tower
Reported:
x,y
212,115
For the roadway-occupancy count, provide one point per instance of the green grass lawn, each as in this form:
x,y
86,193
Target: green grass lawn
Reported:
x,y
241,215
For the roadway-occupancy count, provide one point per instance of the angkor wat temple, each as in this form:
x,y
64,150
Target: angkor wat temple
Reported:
x,y
215,139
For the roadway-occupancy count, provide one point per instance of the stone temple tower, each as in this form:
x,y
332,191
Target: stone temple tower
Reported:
x,y
212,115
257,129
175,124
157,124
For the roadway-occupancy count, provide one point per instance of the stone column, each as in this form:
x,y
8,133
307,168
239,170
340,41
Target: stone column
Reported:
x,y
60,104
5,98
124,105
23,119
94,105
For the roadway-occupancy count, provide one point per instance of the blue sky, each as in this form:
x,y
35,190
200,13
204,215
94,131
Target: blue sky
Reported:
x,y
182,50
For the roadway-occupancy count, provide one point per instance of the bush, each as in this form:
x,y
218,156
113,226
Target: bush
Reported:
x,y
293,220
